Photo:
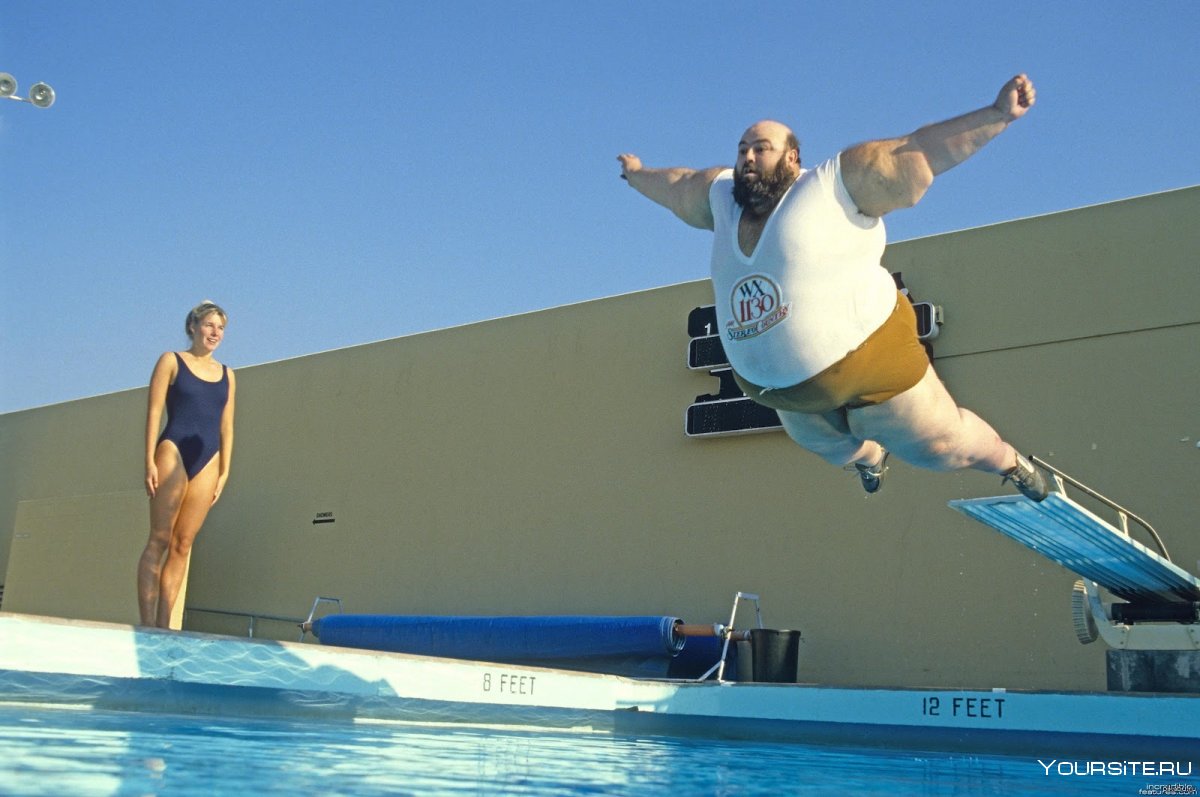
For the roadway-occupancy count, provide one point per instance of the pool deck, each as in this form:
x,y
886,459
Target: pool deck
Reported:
x,y
77,664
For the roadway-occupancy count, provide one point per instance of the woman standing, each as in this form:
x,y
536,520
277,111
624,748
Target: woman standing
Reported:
x,y
188,464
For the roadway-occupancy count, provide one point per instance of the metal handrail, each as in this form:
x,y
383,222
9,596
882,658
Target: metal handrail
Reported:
x,y
1124,514
252,616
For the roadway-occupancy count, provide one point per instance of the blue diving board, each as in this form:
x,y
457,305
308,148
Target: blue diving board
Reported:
x,y
1067,533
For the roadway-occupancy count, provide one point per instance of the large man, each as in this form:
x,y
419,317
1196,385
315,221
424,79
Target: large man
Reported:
x,y
810,320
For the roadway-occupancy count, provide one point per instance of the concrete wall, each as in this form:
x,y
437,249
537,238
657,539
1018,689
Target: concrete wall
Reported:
x,y
70,557
537,464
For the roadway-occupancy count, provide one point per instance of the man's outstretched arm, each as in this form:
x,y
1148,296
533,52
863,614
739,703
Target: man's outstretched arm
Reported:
x,y
684,192
895,173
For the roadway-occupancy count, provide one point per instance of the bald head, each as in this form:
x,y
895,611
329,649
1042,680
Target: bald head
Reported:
x,y
768,162
769,135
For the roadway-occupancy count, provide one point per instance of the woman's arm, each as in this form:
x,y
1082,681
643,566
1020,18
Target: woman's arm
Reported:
x,y
160,380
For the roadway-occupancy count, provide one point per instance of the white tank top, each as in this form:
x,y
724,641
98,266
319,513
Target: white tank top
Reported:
x,y
812,291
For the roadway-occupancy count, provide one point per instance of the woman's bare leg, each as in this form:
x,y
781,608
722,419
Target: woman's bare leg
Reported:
x,y
197,500
164,508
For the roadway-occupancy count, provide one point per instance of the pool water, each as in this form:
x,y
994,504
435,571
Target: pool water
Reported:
x,y
61,752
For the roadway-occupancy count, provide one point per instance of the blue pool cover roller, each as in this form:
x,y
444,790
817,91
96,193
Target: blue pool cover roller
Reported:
x,y
505,639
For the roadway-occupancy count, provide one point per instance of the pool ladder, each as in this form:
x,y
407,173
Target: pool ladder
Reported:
x,y
730,634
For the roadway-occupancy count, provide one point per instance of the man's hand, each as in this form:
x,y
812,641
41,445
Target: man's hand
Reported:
x,y
885,175
682,191
1016,98
629,164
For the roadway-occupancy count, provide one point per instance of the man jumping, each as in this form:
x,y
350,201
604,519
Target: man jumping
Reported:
x,y
811,321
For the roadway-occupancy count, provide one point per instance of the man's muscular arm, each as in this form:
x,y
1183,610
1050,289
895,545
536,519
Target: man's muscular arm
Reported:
x,y
882,176
684,192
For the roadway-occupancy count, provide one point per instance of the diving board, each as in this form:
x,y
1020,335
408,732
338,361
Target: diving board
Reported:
x,y
1069,534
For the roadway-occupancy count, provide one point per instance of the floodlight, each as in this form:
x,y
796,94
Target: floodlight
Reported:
x,y
41,95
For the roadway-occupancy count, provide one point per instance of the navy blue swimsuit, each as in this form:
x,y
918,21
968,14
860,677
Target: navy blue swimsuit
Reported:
x,y
194,409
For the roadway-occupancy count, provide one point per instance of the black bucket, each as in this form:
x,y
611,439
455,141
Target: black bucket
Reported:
x,y
776,655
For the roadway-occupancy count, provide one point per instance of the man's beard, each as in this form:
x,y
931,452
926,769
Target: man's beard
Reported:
x,y
763,194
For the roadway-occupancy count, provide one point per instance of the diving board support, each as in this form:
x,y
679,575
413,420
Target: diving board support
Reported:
x,y
1161,608
1097,615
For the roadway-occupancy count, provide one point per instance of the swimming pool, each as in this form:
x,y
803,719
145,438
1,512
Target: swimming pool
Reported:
x,y
54,751
91,708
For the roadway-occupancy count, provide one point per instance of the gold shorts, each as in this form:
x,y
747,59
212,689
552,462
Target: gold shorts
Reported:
x,y
889,362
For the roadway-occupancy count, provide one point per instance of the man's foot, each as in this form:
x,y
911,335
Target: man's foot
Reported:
x,y
872,475
1028,479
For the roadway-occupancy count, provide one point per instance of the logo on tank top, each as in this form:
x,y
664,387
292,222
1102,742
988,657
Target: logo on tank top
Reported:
x,y
756,305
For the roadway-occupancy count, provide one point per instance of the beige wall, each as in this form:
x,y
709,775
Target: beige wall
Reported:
x,y
537,464
70,557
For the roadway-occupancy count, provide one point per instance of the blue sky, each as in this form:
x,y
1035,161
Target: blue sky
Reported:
x,y
340,173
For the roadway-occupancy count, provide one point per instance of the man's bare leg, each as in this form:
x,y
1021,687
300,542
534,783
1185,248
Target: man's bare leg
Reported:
x,y
925,427
828,436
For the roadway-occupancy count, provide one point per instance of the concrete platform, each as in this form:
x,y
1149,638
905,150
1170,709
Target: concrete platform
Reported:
x,y
100,665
